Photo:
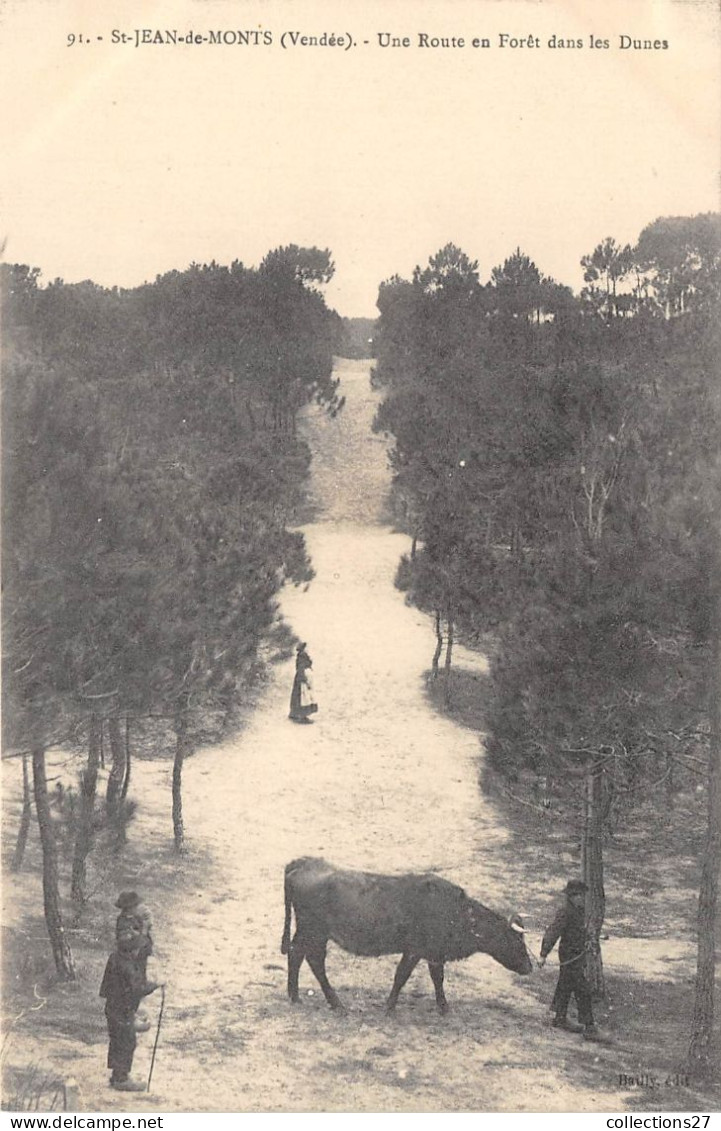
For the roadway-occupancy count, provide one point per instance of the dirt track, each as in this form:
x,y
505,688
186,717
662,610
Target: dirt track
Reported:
x,y
380,781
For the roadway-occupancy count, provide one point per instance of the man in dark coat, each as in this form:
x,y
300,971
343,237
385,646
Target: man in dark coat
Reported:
x,y
569,925
123,986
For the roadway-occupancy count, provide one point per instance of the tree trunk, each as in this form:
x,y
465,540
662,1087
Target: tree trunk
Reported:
x,y
181,748
703,1010
439,645
84,836
126,779
116,776
592,863
24,829
447,664
51,897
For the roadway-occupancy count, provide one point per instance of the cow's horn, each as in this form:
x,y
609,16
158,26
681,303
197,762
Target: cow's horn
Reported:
x,y
516,924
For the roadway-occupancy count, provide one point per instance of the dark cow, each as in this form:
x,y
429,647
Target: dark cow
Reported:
x,y
416,916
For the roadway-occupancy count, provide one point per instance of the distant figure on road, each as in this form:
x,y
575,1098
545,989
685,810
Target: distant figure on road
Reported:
x,y
302,703
123,986
569,925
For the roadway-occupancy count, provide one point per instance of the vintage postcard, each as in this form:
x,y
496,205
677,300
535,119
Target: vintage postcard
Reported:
x,y
361,477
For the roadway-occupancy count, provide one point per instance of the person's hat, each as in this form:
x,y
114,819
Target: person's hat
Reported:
x,y
576,887
127,899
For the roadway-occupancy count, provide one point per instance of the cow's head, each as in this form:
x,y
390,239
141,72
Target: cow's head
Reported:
x,y
499,937
513,946
515,922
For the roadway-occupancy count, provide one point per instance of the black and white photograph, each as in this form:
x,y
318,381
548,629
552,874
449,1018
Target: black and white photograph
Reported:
x,y
361,558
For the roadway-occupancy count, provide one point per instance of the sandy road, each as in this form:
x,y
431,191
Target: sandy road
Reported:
x,y
379,781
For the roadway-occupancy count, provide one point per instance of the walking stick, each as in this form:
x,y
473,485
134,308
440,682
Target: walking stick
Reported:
x,y
157,1034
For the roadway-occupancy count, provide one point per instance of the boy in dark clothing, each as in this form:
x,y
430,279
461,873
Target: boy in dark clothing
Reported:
x,y
134,918
132,935
123,986
569,925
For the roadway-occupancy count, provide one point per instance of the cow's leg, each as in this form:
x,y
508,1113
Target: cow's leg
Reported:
x,y
296,954
404,969
315,953
436,972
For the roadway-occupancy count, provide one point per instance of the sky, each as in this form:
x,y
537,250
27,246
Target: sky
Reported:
x,y
126,162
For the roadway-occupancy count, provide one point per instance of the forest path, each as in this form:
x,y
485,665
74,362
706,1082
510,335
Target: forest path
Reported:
x,y
380,781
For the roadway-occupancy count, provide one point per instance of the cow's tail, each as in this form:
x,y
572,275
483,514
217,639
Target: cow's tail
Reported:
x,y
285,941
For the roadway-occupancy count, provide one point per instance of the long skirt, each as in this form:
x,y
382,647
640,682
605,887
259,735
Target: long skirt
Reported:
x,y
301,703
